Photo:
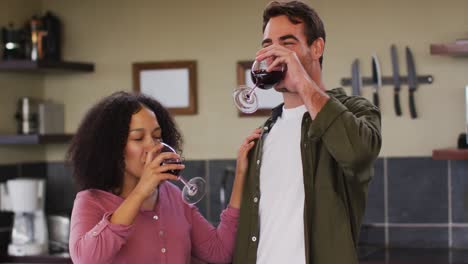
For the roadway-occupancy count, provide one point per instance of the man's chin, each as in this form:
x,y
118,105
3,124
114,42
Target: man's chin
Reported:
x,y
281,89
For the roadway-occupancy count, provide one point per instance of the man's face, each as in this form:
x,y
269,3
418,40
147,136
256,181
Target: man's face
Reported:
x,y
279,30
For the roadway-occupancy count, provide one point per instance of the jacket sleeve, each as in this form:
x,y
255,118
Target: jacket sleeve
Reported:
x,y
214,245
350,132
93,239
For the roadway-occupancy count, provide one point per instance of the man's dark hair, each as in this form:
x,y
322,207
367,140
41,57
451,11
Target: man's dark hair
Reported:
x,y
297,12
96,152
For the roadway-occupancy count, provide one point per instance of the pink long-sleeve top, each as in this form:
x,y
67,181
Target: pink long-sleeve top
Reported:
x,y
171,233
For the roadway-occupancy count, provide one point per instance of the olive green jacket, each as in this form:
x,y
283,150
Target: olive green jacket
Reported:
x,y
338,150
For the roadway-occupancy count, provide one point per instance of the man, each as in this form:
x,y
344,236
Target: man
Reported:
x,y
306,187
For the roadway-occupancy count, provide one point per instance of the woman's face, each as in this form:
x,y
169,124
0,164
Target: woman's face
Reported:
x,y
144,132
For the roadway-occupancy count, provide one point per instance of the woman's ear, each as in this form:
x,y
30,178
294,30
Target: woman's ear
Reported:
x,y
317,48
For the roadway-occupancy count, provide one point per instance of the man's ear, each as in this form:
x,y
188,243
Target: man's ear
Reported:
x,y
317,48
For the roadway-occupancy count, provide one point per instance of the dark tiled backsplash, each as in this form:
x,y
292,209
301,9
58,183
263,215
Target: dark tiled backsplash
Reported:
x,y
221,176
409,202
373,235
459,177
425,204
375,206
417,190
460,237
418,237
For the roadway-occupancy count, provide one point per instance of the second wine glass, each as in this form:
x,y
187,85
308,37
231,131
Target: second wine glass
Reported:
x,y
195,188
245,97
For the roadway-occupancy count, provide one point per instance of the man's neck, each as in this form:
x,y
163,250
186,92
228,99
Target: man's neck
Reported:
x,y
293,100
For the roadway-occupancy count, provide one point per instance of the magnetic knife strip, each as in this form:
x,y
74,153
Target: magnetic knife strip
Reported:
x,y
367,81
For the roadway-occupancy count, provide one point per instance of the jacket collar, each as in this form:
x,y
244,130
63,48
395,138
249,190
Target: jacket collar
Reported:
x,y
277,112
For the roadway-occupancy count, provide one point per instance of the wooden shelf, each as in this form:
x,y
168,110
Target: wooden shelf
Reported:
x,y
450,154
35,139
30,66
454,49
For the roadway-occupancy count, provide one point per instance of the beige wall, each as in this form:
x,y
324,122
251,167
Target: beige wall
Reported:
x,y
216,34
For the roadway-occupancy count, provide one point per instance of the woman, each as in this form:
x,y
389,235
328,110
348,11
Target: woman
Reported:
x,y
127,211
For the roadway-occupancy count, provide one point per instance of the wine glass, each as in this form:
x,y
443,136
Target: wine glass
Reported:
x,y
195,188
244,97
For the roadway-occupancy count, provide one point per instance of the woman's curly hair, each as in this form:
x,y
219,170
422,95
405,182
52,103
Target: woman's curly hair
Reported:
x,y
96,152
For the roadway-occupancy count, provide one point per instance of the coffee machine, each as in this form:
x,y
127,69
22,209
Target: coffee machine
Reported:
x,y
27,115
36,116
26,199
13,43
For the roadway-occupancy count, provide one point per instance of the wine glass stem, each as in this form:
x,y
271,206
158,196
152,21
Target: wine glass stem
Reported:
x,y
192,188
249,95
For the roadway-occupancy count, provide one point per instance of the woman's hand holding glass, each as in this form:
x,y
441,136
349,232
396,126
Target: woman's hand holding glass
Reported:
x,y
155,171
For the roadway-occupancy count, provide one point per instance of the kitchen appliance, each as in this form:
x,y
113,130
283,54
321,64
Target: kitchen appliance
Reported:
x,y
6,223
13,43
59,233
51,38
226,185
36,116
51,118
26,115
45,38
29,234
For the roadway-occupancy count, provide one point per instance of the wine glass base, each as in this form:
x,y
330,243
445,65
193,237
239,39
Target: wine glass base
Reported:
x,y
245,100
196,191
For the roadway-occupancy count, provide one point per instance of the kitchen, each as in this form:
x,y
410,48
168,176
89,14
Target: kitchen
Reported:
x,y
414,200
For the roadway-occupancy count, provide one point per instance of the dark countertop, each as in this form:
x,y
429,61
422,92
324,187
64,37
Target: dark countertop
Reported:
x,y
376,255
35,259
367,255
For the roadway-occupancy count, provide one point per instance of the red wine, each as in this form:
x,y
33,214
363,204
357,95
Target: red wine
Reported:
x,y
265,80
173,161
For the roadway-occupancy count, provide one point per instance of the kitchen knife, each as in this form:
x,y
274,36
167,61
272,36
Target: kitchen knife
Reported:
x,y
412,81
376,78
356,80
396,80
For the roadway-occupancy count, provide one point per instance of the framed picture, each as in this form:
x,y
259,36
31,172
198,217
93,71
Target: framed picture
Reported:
x,y
267,99
172,83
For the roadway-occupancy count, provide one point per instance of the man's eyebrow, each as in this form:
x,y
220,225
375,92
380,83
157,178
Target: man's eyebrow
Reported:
x,y
282,38
285,37
266,41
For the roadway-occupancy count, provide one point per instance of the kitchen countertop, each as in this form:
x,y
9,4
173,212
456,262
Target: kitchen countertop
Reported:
x,y
367,255
376,255
36,259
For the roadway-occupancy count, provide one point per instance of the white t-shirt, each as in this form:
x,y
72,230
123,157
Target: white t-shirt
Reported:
x,y
282,192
